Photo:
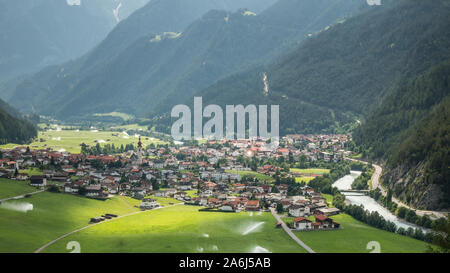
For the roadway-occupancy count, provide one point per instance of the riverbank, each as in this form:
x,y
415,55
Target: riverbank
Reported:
x,y
375,181
369,203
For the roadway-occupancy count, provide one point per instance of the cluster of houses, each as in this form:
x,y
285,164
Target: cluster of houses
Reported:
x,y
213,170
321,147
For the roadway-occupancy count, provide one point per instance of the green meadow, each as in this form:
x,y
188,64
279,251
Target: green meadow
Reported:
x,y
29,223
309,171
12,188
303,179
259,176
354,236
123,116
32,171
52,215
183,228
70,140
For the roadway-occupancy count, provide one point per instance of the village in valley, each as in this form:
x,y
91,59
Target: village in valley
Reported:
x,y
225,176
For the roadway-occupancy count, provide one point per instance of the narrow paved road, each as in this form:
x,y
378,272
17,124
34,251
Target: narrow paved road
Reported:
x,y
290,233
20,196
91,225
376,184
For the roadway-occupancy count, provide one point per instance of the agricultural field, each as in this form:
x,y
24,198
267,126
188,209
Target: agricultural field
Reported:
x,y
307,174
183,228
135,127
309,171
259,176
165,201
354,236
27,224
70,140
192,193
123,116
32,171
304,179
12,188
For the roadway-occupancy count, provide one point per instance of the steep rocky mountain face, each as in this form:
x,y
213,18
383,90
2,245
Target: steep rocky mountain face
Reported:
x,y
411,132
37,33
170,63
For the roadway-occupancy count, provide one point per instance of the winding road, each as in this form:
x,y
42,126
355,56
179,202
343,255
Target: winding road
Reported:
x,y
376,184
20,196
290,233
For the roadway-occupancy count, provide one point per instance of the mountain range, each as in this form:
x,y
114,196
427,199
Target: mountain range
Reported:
x,y
382,74
167,63
345,72
333,66
34,34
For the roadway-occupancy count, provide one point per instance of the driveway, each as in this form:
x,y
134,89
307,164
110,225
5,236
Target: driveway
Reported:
x,y
290,233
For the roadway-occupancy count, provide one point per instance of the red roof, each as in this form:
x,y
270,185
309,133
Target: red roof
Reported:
x,y
253,203
321,217
301,219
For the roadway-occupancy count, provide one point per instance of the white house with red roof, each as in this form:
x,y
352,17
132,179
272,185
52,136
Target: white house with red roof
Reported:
x,y
302,223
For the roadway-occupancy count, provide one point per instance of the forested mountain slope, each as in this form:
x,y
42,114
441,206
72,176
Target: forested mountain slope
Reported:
x,y
344,72
169,64
411,132
14,129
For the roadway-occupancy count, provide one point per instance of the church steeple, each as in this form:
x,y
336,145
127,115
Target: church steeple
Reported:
x,y
139,144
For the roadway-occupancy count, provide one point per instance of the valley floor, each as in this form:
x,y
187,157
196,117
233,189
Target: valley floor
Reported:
x,y
179,228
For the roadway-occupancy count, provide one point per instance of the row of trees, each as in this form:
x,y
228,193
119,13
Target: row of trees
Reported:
x,y
439,236
362,181
324,184
376,220
106,149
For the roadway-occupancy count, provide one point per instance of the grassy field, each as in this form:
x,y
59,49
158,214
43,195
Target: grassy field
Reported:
x,y
163,201
329,199
70,140
12,188
29,223
303,179
355,235
259,176
32,171
52,215
184,229
123,116
192,193
309,171
136,127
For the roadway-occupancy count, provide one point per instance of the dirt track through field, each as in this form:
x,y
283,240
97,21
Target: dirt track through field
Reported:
x,y
91,225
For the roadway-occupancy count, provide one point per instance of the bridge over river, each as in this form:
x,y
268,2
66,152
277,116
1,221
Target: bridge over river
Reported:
x,y
354,192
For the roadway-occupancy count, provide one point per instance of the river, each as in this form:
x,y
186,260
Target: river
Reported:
x,y
368,202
